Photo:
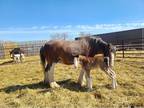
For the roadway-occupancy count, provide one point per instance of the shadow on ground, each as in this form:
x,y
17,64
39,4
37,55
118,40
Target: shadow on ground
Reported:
x,y
10,62
67,84
7,62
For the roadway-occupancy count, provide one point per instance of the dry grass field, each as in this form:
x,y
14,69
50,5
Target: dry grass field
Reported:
x,y
21,86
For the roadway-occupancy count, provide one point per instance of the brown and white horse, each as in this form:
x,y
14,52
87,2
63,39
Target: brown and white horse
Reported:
x,y
66,51
98,60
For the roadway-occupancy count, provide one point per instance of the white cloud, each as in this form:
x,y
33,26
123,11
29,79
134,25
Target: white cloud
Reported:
x,y
97,28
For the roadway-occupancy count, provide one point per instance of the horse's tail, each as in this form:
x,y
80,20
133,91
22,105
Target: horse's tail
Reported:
x,y
42,57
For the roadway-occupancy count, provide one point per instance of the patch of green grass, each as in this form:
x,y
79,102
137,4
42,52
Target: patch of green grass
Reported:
x,y
21,86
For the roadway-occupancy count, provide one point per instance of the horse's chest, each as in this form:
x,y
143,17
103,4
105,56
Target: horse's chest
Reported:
x,y
92,64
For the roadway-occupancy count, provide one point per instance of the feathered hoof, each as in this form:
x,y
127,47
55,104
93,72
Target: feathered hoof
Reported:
x,y
81,84
89,90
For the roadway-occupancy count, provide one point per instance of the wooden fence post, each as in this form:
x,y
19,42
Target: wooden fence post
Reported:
x,y
123,48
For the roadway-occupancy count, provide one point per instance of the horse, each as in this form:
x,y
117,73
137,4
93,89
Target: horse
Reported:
x,y
105,64
17,55
67,53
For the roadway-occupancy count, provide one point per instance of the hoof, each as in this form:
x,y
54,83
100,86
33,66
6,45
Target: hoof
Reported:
x,y
81,84
54,85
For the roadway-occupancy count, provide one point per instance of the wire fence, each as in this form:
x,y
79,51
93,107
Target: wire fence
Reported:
x,y
30,48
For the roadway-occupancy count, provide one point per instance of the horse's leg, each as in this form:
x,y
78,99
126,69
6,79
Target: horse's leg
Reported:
x,y
114,82
88,80
111,74
80,78
21,57
50,72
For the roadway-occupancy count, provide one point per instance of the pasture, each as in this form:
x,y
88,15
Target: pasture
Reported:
x,y
21,86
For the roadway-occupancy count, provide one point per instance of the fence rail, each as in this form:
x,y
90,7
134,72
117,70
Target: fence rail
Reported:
x,y
132,48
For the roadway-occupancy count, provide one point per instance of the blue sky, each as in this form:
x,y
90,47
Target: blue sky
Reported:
x,y
23,20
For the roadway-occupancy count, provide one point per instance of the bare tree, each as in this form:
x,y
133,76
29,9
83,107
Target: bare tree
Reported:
x,y
62,36
83,34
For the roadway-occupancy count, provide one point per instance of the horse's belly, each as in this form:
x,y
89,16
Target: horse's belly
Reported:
x,y
67,61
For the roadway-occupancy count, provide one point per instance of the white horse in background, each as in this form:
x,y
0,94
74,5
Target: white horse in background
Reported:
x,y
88,63
17,55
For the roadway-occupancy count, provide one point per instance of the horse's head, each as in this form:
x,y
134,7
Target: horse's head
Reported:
x,y
101,47
96,45
109,54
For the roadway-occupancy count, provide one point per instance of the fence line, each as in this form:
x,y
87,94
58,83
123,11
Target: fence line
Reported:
x,y
130,49
32,48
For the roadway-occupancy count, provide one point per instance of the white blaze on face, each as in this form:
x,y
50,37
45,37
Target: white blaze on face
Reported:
x,y
112,59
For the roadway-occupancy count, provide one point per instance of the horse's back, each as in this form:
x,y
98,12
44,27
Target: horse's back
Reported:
x,y
62,50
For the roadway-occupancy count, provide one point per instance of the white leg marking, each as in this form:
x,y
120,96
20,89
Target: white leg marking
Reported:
x,y
52,83
114,82
76,62
112,75
88,81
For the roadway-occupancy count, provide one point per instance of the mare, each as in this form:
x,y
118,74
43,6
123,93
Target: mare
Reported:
x,y
67,53
17,55
105,64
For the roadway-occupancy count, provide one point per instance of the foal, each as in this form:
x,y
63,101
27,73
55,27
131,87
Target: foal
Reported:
x,y
98,60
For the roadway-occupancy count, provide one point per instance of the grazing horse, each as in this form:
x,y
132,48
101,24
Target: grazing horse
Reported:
x,y
67,52
17,55
106,64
